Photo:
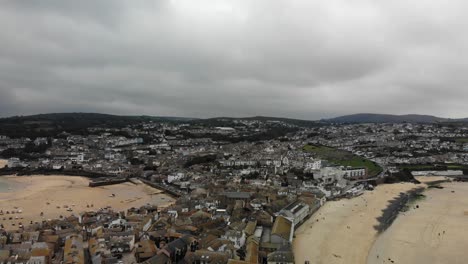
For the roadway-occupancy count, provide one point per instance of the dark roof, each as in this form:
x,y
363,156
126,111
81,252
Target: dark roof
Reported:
x,y
207,257
179,243
158,259
294,207
282,255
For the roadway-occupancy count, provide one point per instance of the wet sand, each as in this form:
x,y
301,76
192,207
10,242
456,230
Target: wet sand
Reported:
x,y
433,233
346,229
49,194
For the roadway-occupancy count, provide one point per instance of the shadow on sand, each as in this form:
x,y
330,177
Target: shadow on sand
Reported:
x,y
396,206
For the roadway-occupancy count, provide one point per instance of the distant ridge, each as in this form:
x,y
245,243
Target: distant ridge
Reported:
x,y
91,116
297,122
77,119
385,118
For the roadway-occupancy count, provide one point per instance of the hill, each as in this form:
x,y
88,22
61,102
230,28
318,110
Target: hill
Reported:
x,y
291,121
46,125
384,118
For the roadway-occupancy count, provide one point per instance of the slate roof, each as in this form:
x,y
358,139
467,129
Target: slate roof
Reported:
x,y
282,255
282,227
237,195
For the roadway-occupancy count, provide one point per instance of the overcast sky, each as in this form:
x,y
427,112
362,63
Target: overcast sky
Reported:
x,y
293,58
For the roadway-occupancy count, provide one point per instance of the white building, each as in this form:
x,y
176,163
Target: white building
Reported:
x,y
175,177
314,165
236,237
296,212
330,174
15,162
355,173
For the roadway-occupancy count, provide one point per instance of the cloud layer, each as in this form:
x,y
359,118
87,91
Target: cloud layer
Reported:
x,y
296,58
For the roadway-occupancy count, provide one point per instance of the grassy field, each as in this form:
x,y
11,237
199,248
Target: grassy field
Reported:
x,y
461,140
343,158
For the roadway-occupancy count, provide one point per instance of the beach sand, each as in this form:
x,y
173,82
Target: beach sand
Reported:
x,y
433,233
32,193
345,229
3,163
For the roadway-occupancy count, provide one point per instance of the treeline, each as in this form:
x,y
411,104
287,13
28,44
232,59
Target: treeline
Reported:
x,y
200,160
30,151
50,125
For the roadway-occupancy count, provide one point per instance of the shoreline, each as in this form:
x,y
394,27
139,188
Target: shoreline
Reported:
x,y
60,195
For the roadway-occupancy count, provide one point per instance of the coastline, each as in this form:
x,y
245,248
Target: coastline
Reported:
x,y
60,195
344,231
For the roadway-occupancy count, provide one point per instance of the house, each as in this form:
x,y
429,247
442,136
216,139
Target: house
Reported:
x,y
236,237
38,260
40,140
319,194
313,165
257,204
206,257
283,255
174,251
252,249
120,242
145,250
283,231
41,251
175,177
231,197
15,162
73,252
250,228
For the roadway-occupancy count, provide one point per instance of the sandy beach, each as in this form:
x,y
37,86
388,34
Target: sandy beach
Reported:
x,y
343,231
50,194
433,233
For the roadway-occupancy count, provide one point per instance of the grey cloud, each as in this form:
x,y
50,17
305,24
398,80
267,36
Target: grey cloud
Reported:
x,y
303,59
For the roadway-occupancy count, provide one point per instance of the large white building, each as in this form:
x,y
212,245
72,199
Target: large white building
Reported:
x,y
330,174
314,165
355,173
296,212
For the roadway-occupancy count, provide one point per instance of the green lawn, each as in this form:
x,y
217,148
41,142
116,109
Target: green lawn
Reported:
x,y
343,158
461,140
